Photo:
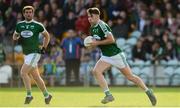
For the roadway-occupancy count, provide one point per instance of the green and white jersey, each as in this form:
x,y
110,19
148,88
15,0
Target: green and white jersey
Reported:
x,y
29,35
100,32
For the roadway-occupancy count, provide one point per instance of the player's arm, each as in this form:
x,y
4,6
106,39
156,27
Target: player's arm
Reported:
x,y
46,39
16,36
108,40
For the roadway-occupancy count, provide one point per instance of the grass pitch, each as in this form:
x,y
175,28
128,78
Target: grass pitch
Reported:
x,y
90,97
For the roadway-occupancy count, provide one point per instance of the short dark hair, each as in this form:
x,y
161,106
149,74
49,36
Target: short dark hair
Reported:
x,y
27,8
93,10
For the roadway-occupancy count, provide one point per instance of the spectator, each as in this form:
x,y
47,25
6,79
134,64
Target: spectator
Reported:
x,y
1,18
47,12
79,5
54,7
142,20
138,51
82,25
41,16
121,28
169,51
56,54
114,8
2,54
71,46
55,27
36,5
174,23
177,48
148,28
2,33
61,21
3,6
168,8
69,5
157,34
10,21
70,21
157,52
19,17
157,18
18,5
50,71
147,44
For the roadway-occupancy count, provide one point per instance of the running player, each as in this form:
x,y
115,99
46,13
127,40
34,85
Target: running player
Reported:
x,y
111,56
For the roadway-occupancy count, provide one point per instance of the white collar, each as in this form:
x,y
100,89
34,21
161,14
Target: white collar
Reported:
x,y
97,23
29,21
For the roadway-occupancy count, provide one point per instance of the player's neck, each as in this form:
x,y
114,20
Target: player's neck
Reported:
x,y
95,23
28,21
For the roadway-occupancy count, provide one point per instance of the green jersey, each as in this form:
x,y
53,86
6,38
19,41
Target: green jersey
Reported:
x,y
29,35
100,32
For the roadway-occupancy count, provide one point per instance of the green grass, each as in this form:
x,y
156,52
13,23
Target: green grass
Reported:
x,y
90,97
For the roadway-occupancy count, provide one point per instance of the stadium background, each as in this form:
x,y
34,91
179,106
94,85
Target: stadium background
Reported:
x,y
147,31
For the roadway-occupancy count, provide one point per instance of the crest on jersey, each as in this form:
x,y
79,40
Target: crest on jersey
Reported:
x,y
95,30
26,33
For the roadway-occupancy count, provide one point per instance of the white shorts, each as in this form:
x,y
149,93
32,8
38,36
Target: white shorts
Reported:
x,y
118,60
32,59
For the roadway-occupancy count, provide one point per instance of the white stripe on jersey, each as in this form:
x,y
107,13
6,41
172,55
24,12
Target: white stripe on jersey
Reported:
x,y
41,25
104,28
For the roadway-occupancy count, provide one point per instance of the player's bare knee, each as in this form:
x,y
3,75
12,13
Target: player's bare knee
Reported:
x,y
94,72
37,78
130,77
23,74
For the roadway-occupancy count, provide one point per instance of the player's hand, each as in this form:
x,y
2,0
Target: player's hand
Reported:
x,y
94,43
43,50
16,37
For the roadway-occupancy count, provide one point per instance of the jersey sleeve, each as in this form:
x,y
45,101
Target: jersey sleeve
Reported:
x,y
105,28
41,28
17,31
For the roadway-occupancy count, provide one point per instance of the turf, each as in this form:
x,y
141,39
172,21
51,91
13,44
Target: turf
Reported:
x,y
90,97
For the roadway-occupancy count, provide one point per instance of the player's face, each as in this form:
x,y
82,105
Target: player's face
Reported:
x,y
92,18
28,14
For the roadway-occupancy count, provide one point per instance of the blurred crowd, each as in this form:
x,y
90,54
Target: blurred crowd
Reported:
x,y
157,22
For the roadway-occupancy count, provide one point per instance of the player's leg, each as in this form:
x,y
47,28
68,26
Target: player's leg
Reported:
x,y
76,67
120,62
134,78
25,70
26,79
68,71
98,70
40,83
27,82
138,81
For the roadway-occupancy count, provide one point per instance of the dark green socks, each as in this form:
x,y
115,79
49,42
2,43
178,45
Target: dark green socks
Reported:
x,y
28,93
45,93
